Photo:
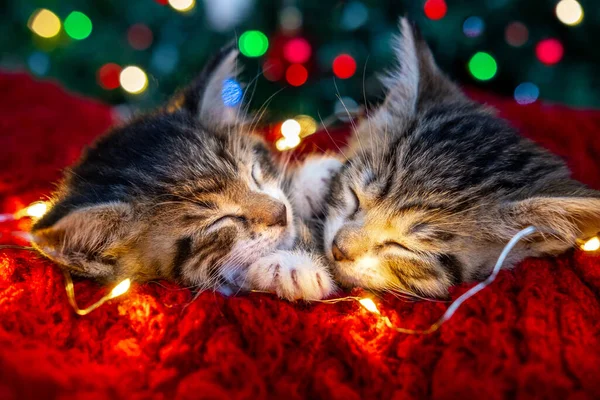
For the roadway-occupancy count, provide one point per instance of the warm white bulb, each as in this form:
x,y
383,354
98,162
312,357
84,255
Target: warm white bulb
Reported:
x,y
369,305
45,23
182,5
36,210
133,79
591,245
569,12
290,128
120,288
287,143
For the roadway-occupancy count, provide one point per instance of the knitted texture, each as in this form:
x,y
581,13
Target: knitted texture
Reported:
x,y
534,333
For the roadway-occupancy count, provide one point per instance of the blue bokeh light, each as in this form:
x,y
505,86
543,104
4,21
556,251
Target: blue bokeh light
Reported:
x,y
355,15
473,27
231,93
39,63
526,93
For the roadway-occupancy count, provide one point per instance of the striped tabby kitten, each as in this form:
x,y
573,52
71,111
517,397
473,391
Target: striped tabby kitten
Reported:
x,y
187,193
435,185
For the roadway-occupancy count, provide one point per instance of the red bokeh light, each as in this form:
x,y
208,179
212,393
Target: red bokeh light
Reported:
x,y
139,36
516,34
344,66
108,76
297,51
273,70
549,51
296,75
435,9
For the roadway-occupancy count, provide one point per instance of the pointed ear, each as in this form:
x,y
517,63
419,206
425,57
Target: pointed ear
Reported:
x,y
562,220
214,97
86,240
415,81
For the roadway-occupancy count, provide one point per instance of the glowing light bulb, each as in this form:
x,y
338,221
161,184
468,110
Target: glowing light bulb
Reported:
x,y
78,25
483,66
591,245
287,143
253,43
291,128
569,12
369,305
182,5
44,23
133,79
37,209
120,288
308,125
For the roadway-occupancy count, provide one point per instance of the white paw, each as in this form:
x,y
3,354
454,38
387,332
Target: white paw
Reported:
x,y
311,184
292,275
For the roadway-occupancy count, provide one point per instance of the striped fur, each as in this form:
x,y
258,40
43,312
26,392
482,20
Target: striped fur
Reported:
x,y
186,193
435,185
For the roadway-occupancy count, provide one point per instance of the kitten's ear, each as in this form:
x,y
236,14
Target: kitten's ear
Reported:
x,y
86,240
562,220
415,81
204,96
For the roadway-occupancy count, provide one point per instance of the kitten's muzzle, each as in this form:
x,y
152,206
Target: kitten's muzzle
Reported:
x,y
338,253
279,216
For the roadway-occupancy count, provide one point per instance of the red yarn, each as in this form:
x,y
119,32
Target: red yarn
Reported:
x,y
533,334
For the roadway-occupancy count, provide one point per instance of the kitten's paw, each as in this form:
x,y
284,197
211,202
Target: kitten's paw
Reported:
x,y
311,184
292,275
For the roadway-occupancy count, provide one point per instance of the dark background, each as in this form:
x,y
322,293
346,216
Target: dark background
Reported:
x,y
182,41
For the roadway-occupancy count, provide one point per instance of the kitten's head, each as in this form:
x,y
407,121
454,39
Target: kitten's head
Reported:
x,y
187,193
435,185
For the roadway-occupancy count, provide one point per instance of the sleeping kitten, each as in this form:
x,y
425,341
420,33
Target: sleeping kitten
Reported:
x,y
435,185
186,193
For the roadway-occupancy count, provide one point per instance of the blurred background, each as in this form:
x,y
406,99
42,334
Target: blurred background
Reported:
x,y
305,53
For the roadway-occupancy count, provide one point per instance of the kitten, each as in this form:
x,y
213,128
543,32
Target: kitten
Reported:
x,y
187,193
435,185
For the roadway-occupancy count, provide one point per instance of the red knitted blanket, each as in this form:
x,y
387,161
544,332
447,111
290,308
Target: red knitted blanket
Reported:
x,y
533,333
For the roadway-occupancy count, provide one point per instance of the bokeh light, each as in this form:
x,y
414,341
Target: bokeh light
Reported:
x,y
108,76
435,9
231,93
549,51
473,27
273,70
284,143
569,12
44,23
290,19
354,16
526,93
165,58
139,36
39,63
516,34
253,43
296,75
297,50
78,26
290,128
308,125
344,66
592,244
483,66
133,79
182,5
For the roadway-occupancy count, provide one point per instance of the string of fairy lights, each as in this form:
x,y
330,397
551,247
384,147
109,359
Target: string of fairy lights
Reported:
x,y
289,58
38,209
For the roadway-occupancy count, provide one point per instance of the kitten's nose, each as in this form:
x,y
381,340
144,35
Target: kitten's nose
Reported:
x,y
338,253
279,216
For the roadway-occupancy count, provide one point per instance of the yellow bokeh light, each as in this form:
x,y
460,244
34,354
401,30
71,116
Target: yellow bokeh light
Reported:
x,y
182,5
591,245
44,23
37,210
308,125
133,79
369,305
569,12
290,128
287,143
120,288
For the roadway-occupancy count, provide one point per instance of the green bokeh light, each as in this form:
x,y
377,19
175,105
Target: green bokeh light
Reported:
x,y
483,66
253,43
78,25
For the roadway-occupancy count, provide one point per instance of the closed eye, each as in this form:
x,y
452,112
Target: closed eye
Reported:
x,y
235,218
356,208
392,244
